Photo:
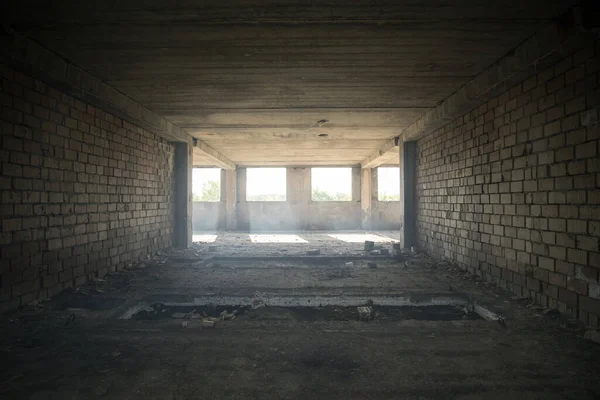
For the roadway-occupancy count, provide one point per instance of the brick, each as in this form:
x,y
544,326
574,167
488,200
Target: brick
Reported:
x,y
568,297
577,256
558,252
587,243
564,267
576,226
564,154
578,286
11,225
546,263
586,150
587,274
557,279
589,305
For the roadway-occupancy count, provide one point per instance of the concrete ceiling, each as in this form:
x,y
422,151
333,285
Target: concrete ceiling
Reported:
x,y
259,80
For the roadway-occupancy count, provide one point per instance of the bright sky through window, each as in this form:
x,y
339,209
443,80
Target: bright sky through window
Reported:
x,y
206,184
388,183
266,184
331,184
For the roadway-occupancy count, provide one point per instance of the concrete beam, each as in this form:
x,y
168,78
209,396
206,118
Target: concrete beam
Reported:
x,y
26,55
541,50
213,156
383,155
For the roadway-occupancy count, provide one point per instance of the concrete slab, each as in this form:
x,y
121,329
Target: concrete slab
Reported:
x,y
87,351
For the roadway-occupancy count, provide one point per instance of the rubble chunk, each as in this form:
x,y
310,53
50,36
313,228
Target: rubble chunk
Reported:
x,y
256,304
226,316
209,322
369,245
365,313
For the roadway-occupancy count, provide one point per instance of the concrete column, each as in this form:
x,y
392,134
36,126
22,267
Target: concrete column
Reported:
x,y
230,199
240,185
356,177
408,188
241,211
366,197
182,232
298,185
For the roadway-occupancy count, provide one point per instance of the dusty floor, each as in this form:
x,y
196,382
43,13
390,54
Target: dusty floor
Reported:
x,y
77,347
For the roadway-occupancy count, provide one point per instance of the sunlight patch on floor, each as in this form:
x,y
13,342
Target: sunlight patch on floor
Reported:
x,y
361,237
276,239
204,238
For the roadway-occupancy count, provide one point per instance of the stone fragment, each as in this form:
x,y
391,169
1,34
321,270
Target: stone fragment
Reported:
x,y
365,313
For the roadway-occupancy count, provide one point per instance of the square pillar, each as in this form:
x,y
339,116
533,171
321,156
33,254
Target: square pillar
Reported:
x,y
298,185
182,174
366,197
408,189
230,184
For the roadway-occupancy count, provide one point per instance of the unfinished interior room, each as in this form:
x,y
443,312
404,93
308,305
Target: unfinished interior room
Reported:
x,y
291,199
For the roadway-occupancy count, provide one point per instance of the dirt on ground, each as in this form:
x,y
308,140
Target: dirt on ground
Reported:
x,y
170,328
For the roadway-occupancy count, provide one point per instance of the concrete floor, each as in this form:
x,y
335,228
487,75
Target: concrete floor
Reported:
x,y
76,347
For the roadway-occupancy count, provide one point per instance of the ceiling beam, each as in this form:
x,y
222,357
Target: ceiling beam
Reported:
x,y
540,51
382,155
26,55
211,155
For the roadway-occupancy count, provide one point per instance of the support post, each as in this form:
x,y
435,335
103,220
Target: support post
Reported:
x,y
366,195
182,233
408,188
230,199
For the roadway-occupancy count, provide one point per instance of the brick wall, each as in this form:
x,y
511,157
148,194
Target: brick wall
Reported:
x,y
83,192
510,191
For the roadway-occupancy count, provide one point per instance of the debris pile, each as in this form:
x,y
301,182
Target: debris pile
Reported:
x,y
208,315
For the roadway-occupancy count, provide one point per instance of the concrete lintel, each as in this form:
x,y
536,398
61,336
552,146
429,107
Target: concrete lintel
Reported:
x,y
541,50
218,159
382,155
28,56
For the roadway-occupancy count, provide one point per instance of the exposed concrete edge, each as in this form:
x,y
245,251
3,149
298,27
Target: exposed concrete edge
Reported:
x,y
541,50
298,166
379,156
404,299
218,159
26,55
